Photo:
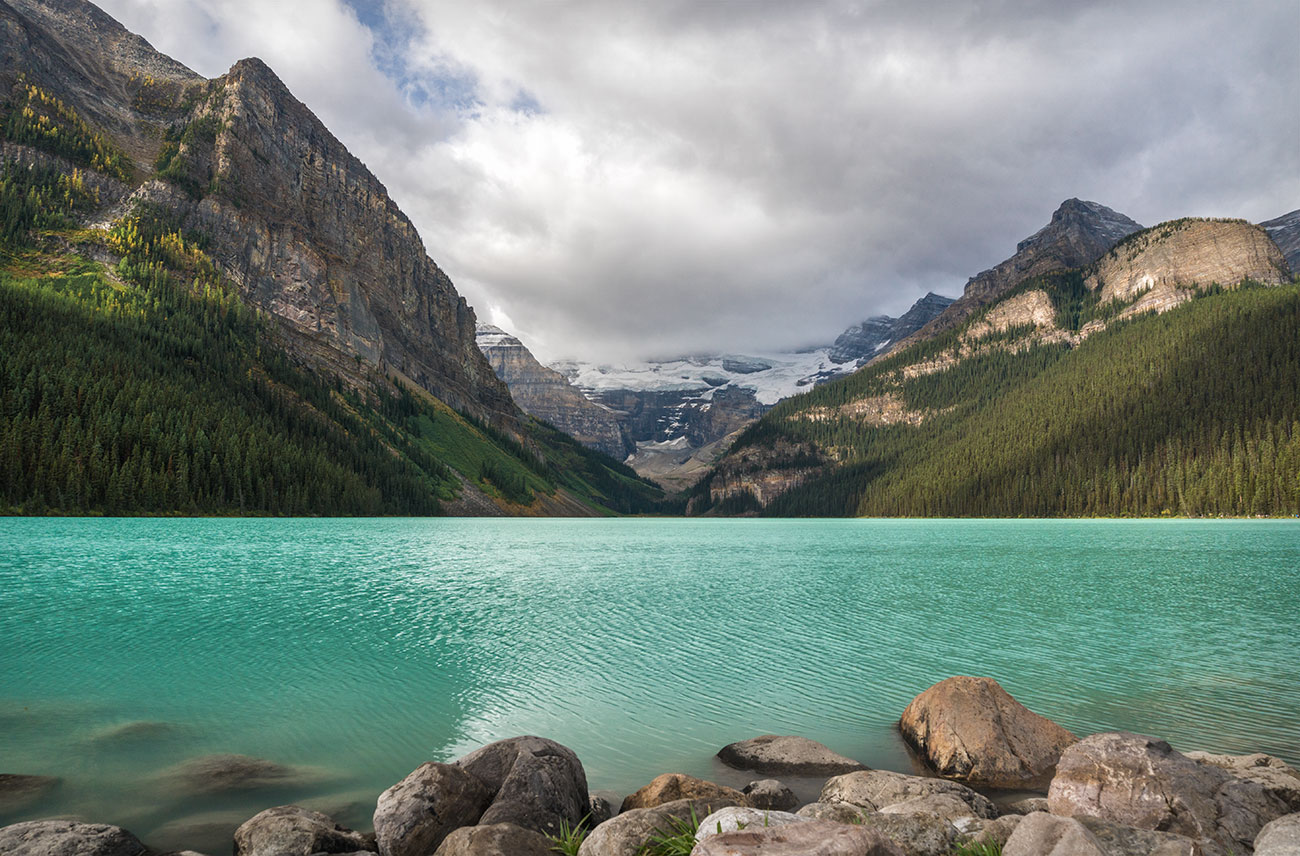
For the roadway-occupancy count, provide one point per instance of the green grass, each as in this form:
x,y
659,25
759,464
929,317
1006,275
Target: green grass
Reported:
x,y
677,840
570,839
977,848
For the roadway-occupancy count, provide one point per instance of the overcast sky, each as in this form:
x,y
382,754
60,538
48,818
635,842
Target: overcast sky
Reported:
x,y
614,179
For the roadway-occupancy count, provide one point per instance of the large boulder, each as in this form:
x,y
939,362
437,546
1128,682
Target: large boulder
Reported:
x,y
67,838
535,783
972,730
994,832
414,816
1041,834
1273,774
814,838
1119,840
743,817
1141,781
678,786
498,839
950,807
770,794
786,756
1280,837
291,830
915,834
626,834
877,789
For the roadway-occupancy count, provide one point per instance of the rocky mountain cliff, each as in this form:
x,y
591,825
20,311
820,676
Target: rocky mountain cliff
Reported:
x,y
1079,233
1285,232
1052,396
548,395
863,341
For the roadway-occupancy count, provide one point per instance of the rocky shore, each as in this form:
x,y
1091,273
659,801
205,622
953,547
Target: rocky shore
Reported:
x,y
1107,794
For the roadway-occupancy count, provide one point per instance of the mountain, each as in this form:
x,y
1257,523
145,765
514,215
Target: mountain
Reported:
x,y
1158,379
225,255
548,395
1078,234
1285,232
863,341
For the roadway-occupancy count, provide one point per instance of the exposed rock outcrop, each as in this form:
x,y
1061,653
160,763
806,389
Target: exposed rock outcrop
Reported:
x,y
1285,232
971,729
863,341
786,756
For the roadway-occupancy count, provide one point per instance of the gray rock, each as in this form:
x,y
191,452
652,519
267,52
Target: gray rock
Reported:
x,y
678,786
498,839
67,838
743,817
1279,837
1141,781
770,794
836,812
971,729
599,810
876,789
18,792
947,806
792,756
1041,834
1272,774
1119,840
995,832
291,830
414,816
915,834
626,834
535,783
814,838
1025,806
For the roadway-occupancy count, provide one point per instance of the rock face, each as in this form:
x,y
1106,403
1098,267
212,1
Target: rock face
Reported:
x,y
792,756
971,729
290,830
548,395
68,838
814,838
1279,837
535,783
677,786
1079,233
863,341
1140,781
414,816
1285,232
878,789
498,839
626,834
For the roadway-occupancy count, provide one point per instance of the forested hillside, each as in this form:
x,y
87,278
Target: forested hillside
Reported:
x,y
1195,411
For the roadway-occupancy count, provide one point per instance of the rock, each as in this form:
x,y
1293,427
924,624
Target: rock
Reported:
x,y
996,831
1141,781
915,834
876,789
414,816
837,812
814,838
626,834
792,756
599,811
742,817
535,783
971,729
215,774
205,828
18,791
678,786
1025,806
1040,834
770,794
291,830
1273,774
947,806
138,731
497,839
68,838
1119,840
1279,837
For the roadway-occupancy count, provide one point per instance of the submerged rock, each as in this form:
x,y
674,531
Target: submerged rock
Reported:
x,y
878,789
814,838
678,786
214,774
971,729
1141,781
789,756
68,838
497,839
535,783
291,830
414,816
626,834
19,791
770,794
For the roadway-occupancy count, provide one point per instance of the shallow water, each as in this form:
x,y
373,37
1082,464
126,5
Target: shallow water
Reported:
x,y
361,648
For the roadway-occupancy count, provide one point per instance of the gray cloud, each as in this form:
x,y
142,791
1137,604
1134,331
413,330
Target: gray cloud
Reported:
x,y
616,179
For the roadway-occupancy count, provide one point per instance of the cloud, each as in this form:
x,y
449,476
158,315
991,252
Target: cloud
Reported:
x,y
628,179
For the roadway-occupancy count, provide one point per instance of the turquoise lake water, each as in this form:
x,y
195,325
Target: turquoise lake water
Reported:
x,y
362,648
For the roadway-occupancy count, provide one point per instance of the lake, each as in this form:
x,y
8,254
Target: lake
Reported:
x,y
358,649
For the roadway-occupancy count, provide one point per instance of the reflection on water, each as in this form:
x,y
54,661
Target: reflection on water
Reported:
x,y
357,649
